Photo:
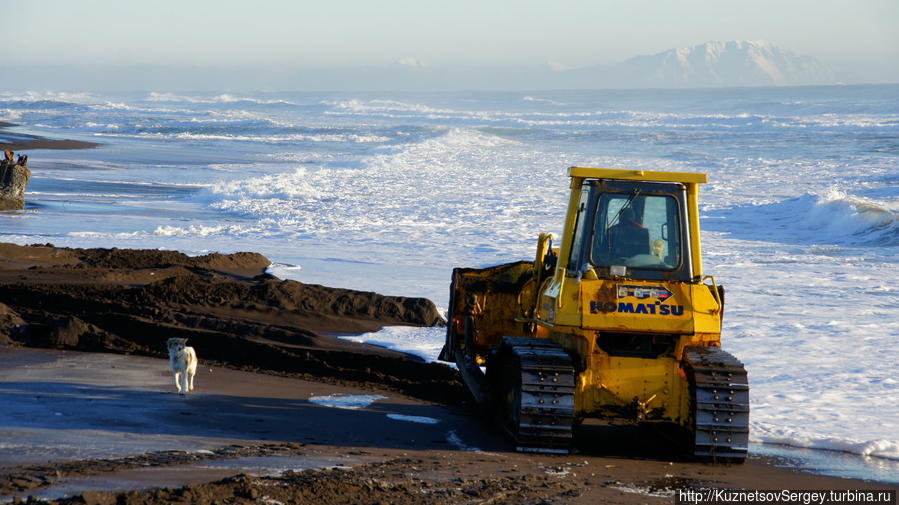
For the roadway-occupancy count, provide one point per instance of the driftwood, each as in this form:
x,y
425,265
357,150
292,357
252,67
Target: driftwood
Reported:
x,y
14,176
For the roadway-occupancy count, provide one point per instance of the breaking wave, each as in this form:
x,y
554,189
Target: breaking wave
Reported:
x,y
885,449
834,217
225,98
853,218
48,98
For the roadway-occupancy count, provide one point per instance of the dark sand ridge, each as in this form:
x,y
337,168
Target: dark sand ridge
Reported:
x,y
25,142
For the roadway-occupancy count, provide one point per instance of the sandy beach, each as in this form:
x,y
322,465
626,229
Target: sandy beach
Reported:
x,y
84,372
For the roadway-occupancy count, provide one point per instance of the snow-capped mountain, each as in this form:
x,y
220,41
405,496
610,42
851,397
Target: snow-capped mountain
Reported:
x,y
713,64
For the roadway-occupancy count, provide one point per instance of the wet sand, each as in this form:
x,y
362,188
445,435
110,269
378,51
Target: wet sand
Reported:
x,y
90,408
26,142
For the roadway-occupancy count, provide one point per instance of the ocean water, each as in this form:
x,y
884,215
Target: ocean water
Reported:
x,y
389,191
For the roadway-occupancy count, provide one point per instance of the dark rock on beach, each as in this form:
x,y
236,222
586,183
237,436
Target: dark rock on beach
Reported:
x,y
14,176
11,324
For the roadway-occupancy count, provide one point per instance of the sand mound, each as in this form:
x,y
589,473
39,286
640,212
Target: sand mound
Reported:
x,y
239,263
131,301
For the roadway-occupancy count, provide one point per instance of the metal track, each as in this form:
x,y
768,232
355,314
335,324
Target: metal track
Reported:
x,y
720,389
538,394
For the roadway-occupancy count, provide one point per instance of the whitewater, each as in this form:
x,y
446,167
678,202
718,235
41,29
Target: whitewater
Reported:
x,y
389,191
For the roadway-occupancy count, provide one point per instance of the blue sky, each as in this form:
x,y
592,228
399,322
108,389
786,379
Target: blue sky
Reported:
x,y
861,34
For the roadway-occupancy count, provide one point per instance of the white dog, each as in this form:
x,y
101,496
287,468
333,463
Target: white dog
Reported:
x,y
184,363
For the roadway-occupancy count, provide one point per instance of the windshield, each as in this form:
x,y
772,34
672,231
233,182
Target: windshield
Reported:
x,y
637,231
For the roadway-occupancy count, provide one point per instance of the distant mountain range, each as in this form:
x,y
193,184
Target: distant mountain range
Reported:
x,y
712,64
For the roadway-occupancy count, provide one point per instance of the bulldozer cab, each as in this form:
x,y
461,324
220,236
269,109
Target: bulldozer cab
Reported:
x,y
635,227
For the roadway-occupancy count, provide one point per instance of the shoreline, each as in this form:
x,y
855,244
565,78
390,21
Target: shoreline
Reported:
x,y
25,142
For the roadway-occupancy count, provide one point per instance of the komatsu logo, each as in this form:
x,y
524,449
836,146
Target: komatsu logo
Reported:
x,y
655,297
656,308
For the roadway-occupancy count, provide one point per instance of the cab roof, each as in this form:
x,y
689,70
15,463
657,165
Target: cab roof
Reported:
x,y
636,175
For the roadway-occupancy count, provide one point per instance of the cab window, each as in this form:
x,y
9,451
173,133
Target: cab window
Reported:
x,y
637,231
581,228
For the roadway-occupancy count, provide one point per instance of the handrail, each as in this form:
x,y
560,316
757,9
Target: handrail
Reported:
x,y
714,291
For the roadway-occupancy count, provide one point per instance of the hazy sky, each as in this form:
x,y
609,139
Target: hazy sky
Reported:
x,y
436,33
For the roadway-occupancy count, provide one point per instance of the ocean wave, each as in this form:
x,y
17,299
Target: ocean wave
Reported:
x,y
884,449
107,196
106,235
227,126
155,96
832,217
10,115
830,121
844,217
235,123
226,98
101,127
633,118
301,184
378,105
607,118
49,98
455,137
110,131
529,98
358,106
201,231
229,98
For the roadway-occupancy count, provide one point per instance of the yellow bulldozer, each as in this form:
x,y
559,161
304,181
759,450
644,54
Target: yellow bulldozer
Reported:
x,y
618,323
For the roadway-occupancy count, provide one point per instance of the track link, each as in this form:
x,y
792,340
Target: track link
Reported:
x,y
720,392
537,394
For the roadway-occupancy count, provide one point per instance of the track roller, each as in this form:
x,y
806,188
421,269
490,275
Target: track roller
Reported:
x,y
534,381
719,389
